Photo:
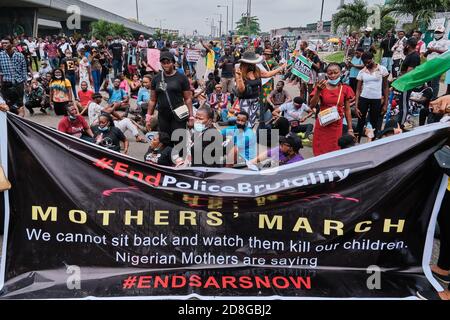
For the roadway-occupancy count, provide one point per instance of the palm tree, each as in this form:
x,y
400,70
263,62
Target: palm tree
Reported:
x,y
353,15
253,27
422,11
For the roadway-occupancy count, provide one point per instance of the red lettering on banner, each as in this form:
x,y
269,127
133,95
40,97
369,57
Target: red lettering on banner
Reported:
x,y
246,282
176,285
153,180
104,163
265,282
195,281
211,282
164,283
229,280
300,282
120,169
144,282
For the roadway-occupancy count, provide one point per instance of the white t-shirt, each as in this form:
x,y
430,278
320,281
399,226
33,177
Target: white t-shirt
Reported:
x,y
441,45
94,112
372,85
291,113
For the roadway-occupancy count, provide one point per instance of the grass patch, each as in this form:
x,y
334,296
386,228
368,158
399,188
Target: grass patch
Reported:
x,y
337,57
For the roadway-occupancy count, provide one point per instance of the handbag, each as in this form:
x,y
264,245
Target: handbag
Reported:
x,y
330,115
4,182
181,112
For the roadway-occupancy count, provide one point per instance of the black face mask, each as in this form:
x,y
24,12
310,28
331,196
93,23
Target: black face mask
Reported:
x,y
252,68
241,126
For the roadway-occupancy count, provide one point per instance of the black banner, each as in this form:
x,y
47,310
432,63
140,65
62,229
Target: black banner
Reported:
x,y
84,222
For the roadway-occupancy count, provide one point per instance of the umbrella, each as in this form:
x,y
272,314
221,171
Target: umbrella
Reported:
x,y
334,40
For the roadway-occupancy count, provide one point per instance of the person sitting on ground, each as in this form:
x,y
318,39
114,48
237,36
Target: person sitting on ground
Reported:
x,y
75,125
203,138
219,102
144,98
296,112
44,69
346,141
288,152
160,151
124,83
135,86
124,124
35,97
391,128
118,98
210,85
84,98
279,96
107,135
240,142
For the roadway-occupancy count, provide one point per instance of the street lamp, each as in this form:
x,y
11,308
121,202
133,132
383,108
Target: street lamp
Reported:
x,y
222,6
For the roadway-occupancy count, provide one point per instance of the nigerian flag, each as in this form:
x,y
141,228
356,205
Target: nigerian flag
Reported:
x,y
423,73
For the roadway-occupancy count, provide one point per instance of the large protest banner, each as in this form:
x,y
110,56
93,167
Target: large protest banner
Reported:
x,y
83,222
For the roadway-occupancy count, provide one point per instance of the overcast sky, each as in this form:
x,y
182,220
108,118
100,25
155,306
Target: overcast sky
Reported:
x,y
190,15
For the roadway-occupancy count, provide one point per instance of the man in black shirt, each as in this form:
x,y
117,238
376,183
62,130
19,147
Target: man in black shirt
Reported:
x,y
116,50
226,63
386,45
412,60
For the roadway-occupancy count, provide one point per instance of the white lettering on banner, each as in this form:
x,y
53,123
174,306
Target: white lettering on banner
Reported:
x,y
248,188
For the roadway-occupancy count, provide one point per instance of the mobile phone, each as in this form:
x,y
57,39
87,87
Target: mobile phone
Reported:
x,y
322,76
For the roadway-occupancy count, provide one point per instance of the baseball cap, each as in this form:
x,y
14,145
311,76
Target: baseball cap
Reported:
x,y
166,55
440,29
369,29
293,141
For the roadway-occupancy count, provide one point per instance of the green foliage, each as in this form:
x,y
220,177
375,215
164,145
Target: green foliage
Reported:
x,y
353,15
102,29
253,27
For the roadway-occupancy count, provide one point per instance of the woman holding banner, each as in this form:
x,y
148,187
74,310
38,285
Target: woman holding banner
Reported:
x,y
334,98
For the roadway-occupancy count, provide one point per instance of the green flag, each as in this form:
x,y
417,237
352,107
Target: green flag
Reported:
x,y
302,68
423,73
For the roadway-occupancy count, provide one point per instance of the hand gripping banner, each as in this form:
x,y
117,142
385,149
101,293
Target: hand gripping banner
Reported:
x,y
81,222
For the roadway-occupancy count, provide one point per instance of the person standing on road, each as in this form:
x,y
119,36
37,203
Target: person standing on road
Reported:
x,y
210,58
435,48
398,53
386,45
60,92
226,63
13,69
116,51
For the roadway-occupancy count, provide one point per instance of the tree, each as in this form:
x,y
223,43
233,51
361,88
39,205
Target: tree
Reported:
x,y
353,15
422,11
253,28
102,29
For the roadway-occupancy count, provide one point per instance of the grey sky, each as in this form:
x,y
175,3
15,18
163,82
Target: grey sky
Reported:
x,y
190,15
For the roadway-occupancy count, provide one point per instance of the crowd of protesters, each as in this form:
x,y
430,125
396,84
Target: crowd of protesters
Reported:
x,y
103,89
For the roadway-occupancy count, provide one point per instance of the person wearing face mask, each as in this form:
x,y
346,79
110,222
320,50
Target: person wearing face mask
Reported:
x,y
398,53
203,139
434,49
75,125
70,66
107,135
372,85
243,140
60,92
333,95
160,151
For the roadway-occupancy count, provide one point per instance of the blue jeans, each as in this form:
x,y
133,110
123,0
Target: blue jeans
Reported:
x,y
97,77
117,67
54,63
73,81
387,63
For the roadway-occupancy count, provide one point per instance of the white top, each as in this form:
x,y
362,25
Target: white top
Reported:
x,y
372,82
441,45
94,112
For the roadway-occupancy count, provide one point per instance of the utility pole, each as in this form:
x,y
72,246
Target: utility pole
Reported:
x,y
321,11
137,11
232,15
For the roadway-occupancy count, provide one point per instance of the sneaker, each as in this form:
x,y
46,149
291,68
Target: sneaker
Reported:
x,y
444,279
428,295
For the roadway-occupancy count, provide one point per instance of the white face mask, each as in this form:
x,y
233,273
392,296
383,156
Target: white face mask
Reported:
x,y
438,36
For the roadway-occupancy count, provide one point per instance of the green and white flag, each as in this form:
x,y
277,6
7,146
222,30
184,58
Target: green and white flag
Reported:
x,y
302,68
423,73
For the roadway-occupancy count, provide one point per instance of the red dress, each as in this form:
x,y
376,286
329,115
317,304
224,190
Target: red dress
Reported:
x,y
326,138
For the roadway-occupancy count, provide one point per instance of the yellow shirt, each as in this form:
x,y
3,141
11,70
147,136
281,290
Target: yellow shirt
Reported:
x,y
448,187
210,63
